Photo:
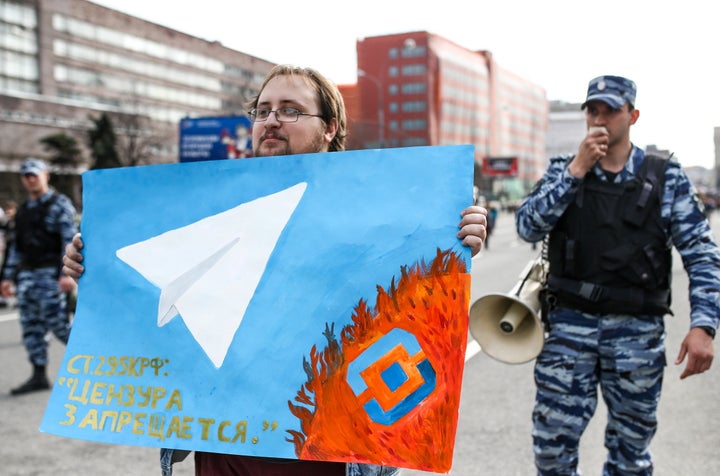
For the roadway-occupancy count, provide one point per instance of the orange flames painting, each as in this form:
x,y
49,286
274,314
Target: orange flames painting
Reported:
x,y
388,391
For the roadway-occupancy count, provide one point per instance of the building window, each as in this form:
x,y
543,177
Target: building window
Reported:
x,y
416,51
414,88
413,70
19,15
414,125
17,65
414,106
19,69
134,88
414,142
153,69
134,43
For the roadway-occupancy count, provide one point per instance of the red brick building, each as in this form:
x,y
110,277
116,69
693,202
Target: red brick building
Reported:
x,y
418,88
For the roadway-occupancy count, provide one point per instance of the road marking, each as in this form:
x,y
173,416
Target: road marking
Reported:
x,y
9,317
472,349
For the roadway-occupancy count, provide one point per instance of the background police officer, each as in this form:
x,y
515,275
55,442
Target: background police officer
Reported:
x,y
612,214
44,225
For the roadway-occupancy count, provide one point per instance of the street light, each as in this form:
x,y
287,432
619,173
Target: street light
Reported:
x,y
381,121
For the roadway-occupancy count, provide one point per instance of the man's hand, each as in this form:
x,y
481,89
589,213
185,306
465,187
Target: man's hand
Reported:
x,y
698,347
592,149
67,284
473,228
72,258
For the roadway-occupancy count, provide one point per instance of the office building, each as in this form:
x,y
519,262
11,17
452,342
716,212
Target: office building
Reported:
x,y
62,61
418,88
566,128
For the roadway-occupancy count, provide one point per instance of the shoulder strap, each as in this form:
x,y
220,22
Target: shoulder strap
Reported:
x,y
651,178
48,203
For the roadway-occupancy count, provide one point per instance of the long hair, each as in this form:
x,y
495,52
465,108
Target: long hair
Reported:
x,y
332,105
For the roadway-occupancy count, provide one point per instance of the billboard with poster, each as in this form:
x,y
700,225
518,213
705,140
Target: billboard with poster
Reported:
x,y
215,138
500,167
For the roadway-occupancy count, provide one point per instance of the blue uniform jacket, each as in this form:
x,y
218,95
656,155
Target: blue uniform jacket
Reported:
x,y
686,226
60,219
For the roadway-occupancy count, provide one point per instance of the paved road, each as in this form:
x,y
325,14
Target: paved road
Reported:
x,y
493,437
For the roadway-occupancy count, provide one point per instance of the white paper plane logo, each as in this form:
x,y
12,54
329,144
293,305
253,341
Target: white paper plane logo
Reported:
x,y
208,271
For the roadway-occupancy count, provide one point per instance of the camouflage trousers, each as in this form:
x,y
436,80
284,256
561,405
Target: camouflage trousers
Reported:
x,y
43,310
622,355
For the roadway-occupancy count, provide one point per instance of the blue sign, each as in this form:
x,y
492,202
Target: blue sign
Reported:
x,y
215,138
311,306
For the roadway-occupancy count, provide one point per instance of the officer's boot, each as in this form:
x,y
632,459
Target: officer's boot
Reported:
x,y
38,381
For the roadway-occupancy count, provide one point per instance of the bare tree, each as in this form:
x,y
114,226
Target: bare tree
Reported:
x,y
139,139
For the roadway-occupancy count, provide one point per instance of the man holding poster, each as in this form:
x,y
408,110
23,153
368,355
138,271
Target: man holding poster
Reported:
x,y
298,111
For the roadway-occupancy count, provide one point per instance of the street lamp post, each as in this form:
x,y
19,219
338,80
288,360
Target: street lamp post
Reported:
x,y
381,116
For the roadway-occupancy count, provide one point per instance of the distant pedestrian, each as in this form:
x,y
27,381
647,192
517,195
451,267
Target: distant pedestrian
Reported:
x,y
612,214
44,225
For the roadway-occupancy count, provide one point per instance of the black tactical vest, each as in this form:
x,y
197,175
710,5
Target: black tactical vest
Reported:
x,y
39,246
609,252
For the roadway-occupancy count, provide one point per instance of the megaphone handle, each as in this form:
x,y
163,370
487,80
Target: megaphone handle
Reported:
x,y
513,318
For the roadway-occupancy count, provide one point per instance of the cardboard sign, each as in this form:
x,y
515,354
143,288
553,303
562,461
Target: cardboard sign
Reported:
x,y
309,306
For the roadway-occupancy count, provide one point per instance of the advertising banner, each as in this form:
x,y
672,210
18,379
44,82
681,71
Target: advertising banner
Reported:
x,y
500,166
215,138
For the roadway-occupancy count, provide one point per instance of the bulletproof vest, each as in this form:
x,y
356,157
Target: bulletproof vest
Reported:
x,y
609,252
39,246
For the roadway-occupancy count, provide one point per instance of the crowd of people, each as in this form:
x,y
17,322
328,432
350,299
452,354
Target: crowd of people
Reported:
x,y
608,287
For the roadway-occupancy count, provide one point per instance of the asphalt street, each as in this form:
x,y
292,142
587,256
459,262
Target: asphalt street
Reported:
x,y
493,435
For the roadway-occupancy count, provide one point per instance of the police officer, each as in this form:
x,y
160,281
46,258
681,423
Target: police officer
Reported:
x,y
612,214
44,225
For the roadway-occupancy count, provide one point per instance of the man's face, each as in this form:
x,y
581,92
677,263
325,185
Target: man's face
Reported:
x,y
36,185
308,135
616,121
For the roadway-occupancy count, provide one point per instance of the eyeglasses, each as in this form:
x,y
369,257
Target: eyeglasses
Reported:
x,y
284,114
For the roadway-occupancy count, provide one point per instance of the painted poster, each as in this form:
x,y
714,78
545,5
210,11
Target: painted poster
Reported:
x,y
308,307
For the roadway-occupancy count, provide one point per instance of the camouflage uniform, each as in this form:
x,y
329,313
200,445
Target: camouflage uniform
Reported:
x,y
624,354
41,303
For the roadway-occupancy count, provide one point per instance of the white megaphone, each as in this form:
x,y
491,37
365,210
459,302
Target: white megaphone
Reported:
x,y
508,327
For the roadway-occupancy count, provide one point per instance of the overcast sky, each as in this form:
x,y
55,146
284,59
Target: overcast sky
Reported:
x,y
669,48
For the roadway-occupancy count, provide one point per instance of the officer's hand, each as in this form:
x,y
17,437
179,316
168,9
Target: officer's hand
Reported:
x,y
592,149
7,288
473,227
73,258
698,347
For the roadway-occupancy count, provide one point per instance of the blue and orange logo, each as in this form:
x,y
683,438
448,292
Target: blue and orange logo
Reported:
x,y
391,377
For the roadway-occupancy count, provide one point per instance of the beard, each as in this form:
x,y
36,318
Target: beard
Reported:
x,y
285,147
